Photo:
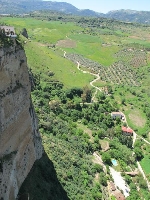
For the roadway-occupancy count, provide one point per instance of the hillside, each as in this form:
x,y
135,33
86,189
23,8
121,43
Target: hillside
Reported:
x,y
84,69
21,7
130,16
22,157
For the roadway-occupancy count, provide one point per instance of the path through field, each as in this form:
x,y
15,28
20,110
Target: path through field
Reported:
x,y
91,83
143,174
135,136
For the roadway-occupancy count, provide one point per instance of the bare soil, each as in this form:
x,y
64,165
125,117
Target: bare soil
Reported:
x,y
66,43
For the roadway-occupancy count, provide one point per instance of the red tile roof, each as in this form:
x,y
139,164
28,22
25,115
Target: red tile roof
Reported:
x,y
128,130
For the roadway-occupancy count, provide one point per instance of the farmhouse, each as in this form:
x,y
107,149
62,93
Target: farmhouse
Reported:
x,y
116,114
127,131
8,31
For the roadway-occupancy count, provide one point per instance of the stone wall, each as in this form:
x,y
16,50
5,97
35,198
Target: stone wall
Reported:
x,y
20,141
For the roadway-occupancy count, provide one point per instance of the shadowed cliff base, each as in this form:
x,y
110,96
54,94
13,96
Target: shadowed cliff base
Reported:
x,y
42,183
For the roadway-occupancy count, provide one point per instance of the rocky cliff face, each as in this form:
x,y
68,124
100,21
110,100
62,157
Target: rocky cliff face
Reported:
x,y
20,141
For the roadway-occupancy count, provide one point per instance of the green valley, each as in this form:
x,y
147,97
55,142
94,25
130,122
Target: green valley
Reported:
x,y
80,136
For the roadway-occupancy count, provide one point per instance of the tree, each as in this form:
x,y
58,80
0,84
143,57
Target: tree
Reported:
x,y
123,101
101,97
83,96
101,133
98,168
103,179
128,179
117,131
138,153
109,88
106,158
143,184
87,93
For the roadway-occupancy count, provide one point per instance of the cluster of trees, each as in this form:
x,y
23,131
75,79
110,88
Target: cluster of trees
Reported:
x,y
70,148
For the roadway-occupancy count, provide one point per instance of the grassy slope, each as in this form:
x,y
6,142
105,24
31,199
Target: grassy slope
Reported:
x,y
91,47
40,58
43,31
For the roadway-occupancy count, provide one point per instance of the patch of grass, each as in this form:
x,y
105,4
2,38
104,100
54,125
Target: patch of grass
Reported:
x,y
136,120
145,163
85,38
42,30
104,144
86,130
96,52
40,58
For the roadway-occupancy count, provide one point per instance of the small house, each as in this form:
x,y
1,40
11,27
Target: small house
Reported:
x,y
114,115
8,31
127,131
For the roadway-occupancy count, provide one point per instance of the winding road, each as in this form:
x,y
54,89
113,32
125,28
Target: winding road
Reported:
x,y
91,83
135,136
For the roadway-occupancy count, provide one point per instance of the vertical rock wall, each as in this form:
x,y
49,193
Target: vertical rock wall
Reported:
x,y
20,141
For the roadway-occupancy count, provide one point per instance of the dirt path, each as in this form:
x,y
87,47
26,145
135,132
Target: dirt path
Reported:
x,y
135,136
91,83
143,174
120,182
98,160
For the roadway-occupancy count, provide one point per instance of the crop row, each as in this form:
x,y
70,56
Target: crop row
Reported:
x,y
134,57
118,73
85,62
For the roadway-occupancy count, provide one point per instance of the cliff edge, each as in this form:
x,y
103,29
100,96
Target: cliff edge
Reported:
x,y
20,141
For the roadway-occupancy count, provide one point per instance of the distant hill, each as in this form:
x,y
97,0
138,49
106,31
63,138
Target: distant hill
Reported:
x,y
26,6
130,16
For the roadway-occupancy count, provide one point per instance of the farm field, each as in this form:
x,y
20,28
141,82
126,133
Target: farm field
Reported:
x,y
115,54
45,59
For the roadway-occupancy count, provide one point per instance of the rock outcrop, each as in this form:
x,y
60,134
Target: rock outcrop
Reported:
x,y
20,141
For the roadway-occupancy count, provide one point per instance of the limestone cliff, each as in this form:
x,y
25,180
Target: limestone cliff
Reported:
x,y
20,141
